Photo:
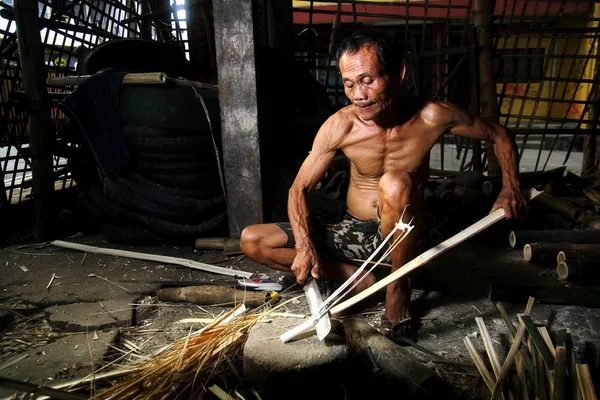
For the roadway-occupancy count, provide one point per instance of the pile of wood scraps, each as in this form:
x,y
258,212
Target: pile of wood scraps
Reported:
x,y
535,366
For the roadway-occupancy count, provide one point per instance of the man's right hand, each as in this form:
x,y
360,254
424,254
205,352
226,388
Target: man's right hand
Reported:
x,y
306,261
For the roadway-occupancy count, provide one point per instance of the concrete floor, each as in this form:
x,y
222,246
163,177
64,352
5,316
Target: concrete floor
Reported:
x,y
67,327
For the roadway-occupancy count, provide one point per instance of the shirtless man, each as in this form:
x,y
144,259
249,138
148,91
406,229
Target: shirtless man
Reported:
x,y
389,165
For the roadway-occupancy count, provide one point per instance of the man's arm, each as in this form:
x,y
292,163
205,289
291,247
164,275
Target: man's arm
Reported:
x,y
311,172
459,122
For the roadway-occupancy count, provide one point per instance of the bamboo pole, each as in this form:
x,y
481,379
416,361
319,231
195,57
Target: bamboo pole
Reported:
x,y
152,257
575,236
41,131
142,78
542,253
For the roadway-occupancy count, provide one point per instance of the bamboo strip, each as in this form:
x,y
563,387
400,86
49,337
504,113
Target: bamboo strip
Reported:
x,y
547,339
545,352
549,373
523,389
152,257
514,348
575,393
560,369
489,346
585,382
483,371
523,351
534,374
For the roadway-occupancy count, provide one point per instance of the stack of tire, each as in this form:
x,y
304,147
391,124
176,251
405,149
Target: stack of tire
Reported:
x,y
172,190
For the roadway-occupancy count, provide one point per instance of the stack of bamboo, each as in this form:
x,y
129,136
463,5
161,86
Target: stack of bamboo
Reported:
x,y
542,369
577,260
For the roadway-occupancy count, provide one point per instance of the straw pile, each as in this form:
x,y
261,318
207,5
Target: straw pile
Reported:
x,y
539,368
186,369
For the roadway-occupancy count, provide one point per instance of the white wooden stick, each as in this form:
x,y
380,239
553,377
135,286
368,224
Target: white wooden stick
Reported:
x,y
407,268
152,257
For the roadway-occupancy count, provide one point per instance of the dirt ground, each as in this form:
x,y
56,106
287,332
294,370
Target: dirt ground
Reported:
x,y
67,313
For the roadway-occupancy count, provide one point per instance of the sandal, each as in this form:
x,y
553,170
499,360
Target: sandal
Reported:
x,y
393,331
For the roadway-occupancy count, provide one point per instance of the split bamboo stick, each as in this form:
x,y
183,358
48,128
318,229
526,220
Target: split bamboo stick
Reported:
x,y
514,348
483,371
560,369
585,382
535,335
574,393
489,346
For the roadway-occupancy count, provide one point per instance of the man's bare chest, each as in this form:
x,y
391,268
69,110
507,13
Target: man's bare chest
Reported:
x,y
373,156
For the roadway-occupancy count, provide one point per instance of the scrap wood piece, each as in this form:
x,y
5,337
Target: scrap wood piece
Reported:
x,y
412,265
592,194
39,390
220,393
152,257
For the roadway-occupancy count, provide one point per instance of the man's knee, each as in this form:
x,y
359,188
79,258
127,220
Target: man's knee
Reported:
x,y
250,240
396,187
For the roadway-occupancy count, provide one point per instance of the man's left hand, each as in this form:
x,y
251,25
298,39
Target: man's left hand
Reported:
x,y
511,200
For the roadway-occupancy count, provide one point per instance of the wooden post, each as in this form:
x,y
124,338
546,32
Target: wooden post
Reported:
x,y
474,106
236,62
484,15
41,135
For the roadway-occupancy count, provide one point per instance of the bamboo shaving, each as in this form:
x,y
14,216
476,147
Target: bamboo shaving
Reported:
x,y
188,365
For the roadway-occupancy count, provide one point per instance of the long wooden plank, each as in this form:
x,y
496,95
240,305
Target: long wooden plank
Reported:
x,y
407,268
152,257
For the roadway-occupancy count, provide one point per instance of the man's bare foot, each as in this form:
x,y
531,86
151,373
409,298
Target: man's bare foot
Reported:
x,y
405,328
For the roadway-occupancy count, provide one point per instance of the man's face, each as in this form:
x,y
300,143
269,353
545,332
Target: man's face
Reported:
x,y
365,86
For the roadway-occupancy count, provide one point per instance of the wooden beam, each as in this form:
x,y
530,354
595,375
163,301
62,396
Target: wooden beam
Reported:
x,y
236,62
41,132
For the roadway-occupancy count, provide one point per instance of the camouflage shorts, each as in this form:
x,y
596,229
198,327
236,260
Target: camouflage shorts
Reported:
x,y
349,239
